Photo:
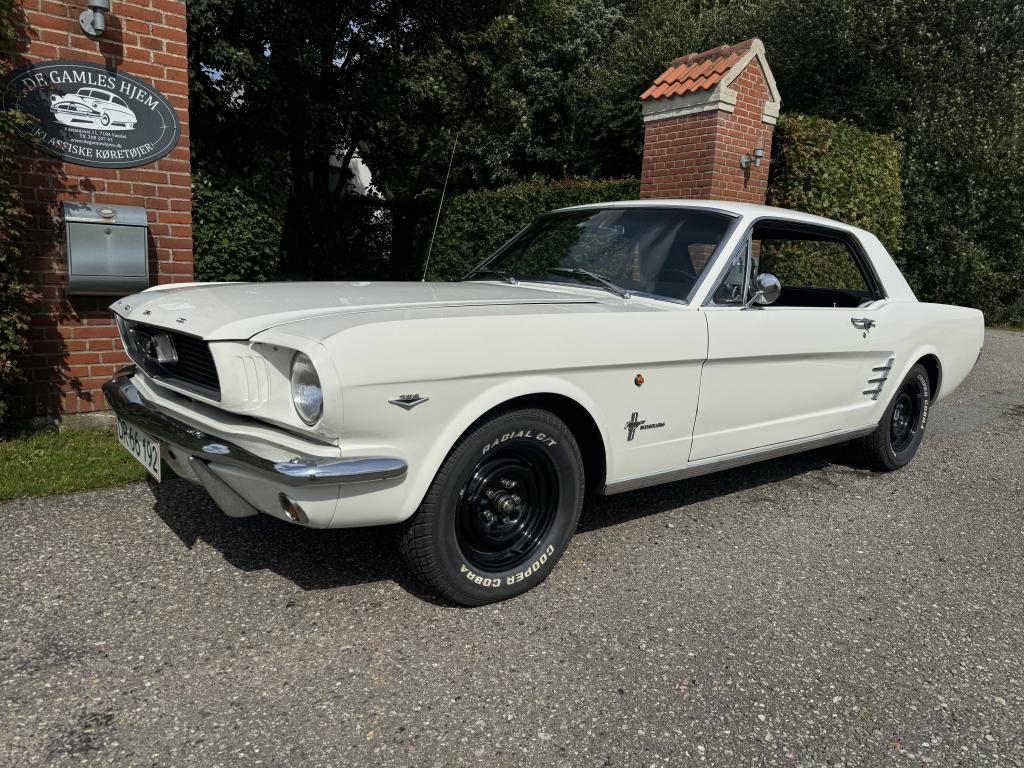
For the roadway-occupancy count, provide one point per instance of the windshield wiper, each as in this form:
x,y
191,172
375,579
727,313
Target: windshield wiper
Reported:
x,y
604,282
499,273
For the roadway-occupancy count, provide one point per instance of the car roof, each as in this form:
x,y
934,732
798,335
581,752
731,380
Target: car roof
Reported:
x,y
97,90
744,210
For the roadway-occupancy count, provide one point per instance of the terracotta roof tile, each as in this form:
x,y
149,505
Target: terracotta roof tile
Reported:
x,y
697,71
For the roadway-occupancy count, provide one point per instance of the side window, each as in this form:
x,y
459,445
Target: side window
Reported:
x,y
821,264
817,267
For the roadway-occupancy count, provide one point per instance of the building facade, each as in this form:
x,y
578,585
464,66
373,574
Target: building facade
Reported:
x,y
109,102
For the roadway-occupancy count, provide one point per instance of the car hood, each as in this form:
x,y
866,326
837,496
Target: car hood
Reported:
x,y
241,310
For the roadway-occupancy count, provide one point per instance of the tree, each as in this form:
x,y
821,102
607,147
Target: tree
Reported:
x,y
948,79
551,88
300,88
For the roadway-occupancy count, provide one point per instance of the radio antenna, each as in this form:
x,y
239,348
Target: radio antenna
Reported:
x,y
440,205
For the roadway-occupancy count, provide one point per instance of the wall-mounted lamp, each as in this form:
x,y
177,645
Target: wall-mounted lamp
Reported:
x,y
758,153
93,20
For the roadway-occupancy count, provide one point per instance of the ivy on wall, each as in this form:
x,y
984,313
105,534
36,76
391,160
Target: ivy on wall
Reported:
x,y
839,171
15,290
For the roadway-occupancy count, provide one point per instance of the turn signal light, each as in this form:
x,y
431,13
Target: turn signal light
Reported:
x,y
292,509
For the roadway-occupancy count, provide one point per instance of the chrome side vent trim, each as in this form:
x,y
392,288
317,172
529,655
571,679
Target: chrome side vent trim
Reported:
x,y
879,380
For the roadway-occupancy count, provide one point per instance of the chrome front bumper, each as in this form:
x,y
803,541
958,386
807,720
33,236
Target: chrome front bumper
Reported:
x,y
127,403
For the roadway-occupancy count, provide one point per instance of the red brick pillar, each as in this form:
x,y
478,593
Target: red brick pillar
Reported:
x,y
73,345
702,116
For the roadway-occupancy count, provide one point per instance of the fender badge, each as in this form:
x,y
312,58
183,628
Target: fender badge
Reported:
x,y
408,401
639,380
633,424
636,423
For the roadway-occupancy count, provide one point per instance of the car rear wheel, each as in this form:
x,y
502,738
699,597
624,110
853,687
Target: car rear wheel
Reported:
x,y
501,510
105,119
901,429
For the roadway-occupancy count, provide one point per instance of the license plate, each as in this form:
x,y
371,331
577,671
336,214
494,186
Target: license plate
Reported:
x,y
145,448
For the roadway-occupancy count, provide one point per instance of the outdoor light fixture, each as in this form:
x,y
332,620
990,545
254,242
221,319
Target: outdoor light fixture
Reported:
x,y
758,153
93,20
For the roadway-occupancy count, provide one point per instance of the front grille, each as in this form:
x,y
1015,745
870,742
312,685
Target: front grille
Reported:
x,y
195,363
153,348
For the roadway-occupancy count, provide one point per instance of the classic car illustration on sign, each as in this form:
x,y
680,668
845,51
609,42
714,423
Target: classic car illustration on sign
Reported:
x,y
93,107
604,348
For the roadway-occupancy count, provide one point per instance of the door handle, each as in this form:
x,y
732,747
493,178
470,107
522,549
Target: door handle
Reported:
x,y
863,323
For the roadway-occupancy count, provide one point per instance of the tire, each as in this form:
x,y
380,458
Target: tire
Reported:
x,y
105,119
901,428
500,511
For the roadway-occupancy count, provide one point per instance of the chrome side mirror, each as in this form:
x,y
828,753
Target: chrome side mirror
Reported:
x,y
766,290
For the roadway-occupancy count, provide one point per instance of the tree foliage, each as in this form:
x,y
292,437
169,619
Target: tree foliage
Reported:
x,y
474,224
550,88
839,171
947,79
235,236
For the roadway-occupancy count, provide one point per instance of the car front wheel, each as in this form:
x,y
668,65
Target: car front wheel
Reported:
x,y
501,510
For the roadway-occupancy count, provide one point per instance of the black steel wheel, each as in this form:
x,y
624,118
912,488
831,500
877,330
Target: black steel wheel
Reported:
x,y
500,511
906,416
901,428
507,506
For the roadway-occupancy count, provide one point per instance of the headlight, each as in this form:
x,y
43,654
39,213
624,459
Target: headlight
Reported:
x,y
307,397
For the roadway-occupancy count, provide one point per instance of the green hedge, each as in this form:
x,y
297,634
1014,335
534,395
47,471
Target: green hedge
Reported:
x,y
15,291
235,236
474,224
840,171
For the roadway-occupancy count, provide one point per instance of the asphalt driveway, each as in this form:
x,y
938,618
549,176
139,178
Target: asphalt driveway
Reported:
x,y
799,612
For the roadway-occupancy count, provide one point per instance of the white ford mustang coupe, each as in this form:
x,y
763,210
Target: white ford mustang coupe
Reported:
x,y
605,347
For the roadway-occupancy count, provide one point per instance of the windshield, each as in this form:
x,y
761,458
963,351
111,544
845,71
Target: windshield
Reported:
x,y
655,251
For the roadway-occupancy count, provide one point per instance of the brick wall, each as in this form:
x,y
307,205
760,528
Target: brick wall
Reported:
x,y
697,155
73,345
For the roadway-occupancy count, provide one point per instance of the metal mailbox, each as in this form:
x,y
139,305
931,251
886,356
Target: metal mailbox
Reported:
x,y
108,249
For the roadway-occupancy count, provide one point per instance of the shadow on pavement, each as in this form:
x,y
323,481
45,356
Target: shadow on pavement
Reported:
x,y
604,511
312,559
323,559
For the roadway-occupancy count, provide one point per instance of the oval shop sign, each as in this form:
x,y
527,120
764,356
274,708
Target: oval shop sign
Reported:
x,y
90,115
